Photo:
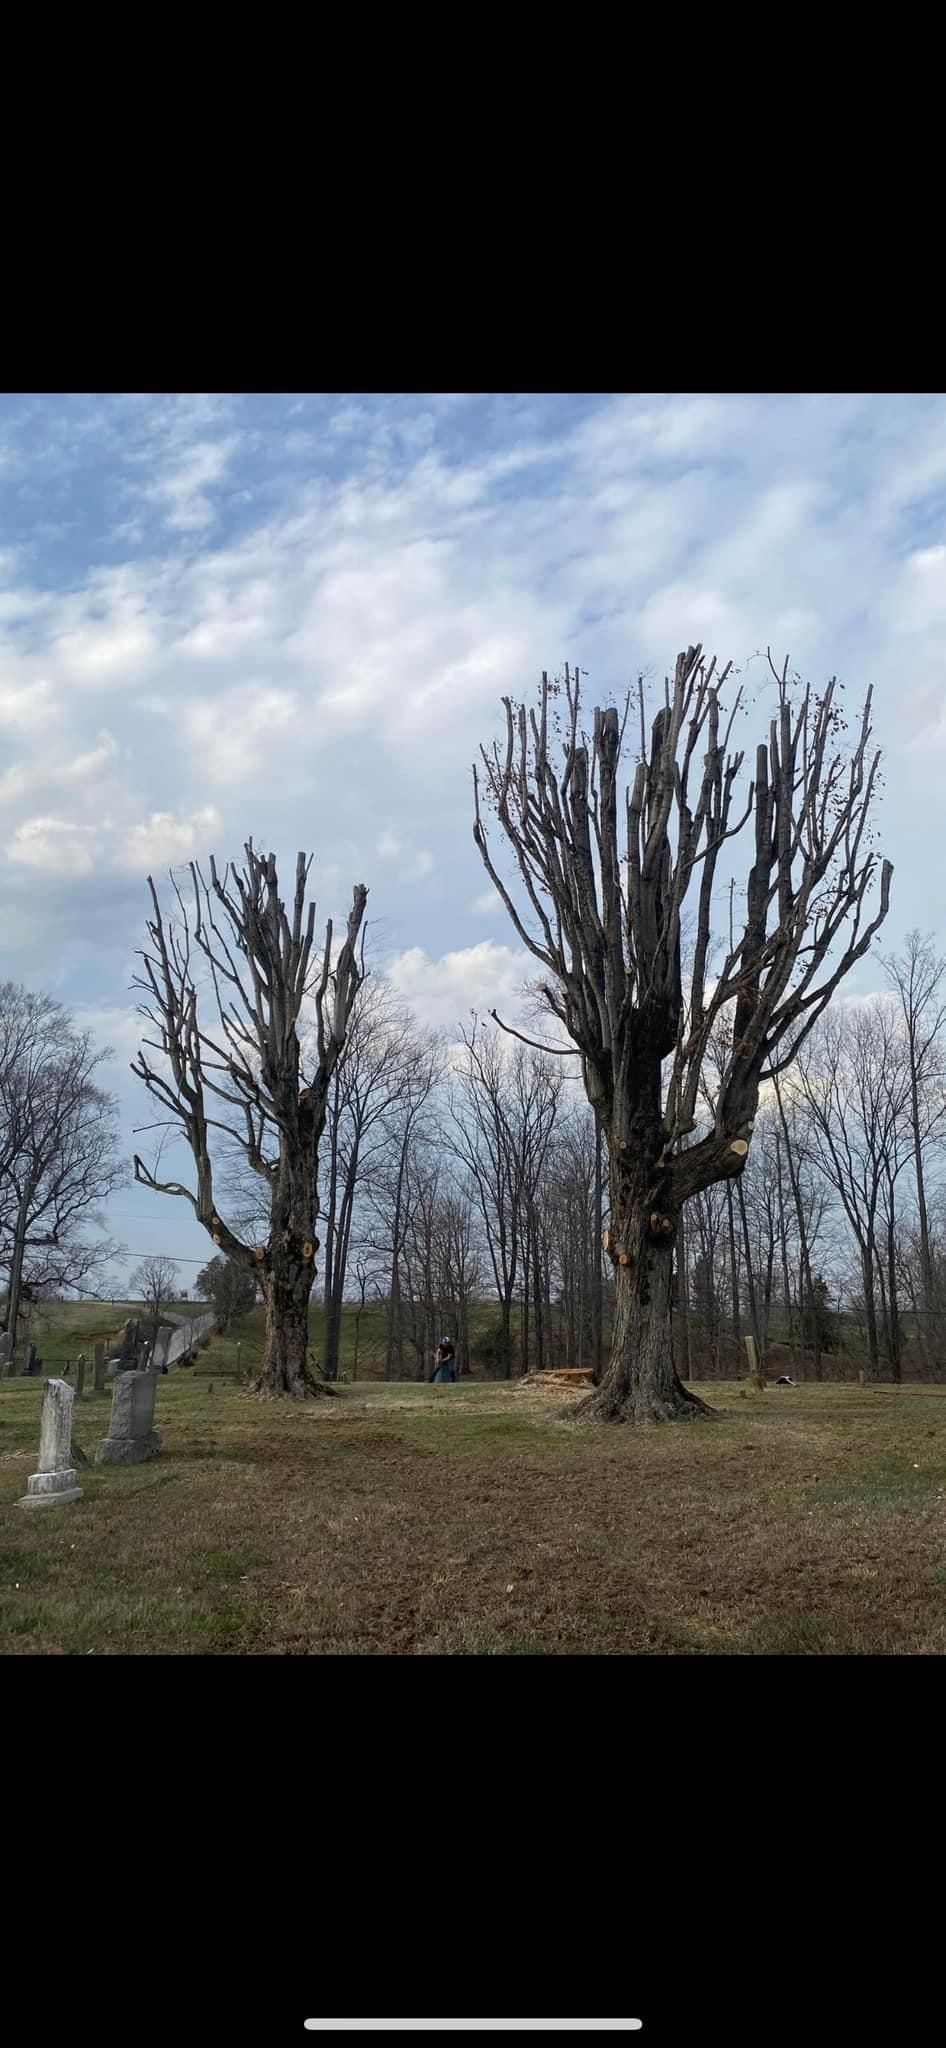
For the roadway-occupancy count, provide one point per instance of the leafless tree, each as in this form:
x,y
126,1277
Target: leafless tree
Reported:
x,y
388,1194
58,1151
243,1081
610,948
372,1080
155,1281
853,1081
917,975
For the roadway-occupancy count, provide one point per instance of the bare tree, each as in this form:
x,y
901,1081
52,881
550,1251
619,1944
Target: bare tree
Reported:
x,y
421,1073
58,1151
853,1081
155,1281
372,1079
917,975
244,1082
611,949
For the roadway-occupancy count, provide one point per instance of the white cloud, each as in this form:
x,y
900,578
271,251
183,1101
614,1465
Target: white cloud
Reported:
x,y
242,733
27,707
388,846
23,778
443,992
55,846
486,905
86,767
164,839
72,849
183,489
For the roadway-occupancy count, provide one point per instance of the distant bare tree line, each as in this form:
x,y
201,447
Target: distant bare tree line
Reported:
x,y
467,1174
472,1171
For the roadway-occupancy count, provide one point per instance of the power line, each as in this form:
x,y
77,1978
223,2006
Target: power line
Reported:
x,y
174,1259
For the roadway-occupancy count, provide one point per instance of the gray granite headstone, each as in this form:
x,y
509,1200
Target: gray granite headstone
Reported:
x,y
80,1375
6,1352
131,1434
54,1481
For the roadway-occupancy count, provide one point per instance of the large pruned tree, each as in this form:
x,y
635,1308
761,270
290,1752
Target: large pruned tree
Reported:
x,y
604,920
243,1081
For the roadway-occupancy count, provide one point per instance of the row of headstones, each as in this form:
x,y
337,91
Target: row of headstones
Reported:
x,y
131,1437
126,1360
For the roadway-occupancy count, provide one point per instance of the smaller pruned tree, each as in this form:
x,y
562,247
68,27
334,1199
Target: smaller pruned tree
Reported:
x,y
155,1280
234,953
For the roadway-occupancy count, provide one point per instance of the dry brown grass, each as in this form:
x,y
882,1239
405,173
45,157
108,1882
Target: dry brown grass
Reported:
x,y
473,1519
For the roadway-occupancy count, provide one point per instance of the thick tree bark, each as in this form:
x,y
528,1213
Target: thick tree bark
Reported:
x,y
285,1370
597,1293
640,1383
286,1275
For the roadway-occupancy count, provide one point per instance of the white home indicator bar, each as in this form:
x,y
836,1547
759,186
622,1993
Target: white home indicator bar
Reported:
x,y
475,2026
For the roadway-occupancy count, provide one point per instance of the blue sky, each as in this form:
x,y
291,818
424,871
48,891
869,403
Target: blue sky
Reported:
x,y
294,616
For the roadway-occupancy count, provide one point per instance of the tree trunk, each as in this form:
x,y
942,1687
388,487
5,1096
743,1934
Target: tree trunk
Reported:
x,y
690,1365
287,1286
926,1259
16,1270
870,1312
287,1279
808,1290
524,1315
750,1279
640,1383
597,1300
733,1264
505,1336
394,1361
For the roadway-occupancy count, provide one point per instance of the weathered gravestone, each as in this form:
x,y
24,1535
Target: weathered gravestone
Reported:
x,y
6,1352
80,1376
158,1360
131,1434
99,1356
128,1356
54,1481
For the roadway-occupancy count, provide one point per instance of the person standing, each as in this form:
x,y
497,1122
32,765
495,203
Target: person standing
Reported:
x,y
445,1367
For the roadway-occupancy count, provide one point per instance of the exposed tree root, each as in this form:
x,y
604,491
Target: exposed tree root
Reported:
x,y
601,1406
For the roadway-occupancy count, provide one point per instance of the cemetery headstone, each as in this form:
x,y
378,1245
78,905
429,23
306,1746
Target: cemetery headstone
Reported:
x,y
132,1436
128,1356
99,1356
80,1376
54,1481
6,1353
36,1365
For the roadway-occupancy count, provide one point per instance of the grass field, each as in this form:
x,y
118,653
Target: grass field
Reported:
x,y
472,1519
